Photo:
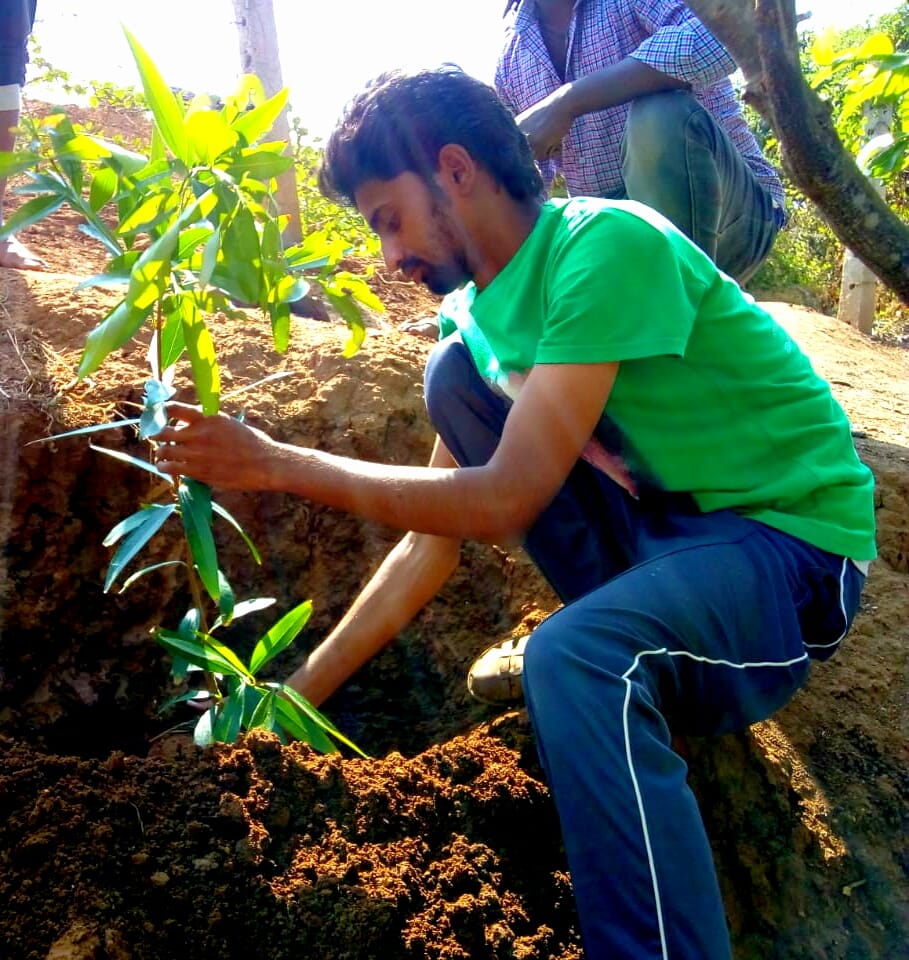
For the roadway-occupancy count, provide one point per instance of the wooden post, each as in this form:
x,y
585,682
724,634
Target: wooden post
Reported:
x,y
858,287
259,55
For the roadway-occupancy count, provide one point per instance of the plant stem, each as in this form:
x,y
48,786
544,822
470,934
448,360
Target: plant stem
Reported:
x,y
159,348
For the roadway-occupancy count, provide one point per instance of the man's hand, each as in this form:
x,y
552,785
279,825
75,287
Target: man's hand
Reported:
x,y
217,450
547,123
426,327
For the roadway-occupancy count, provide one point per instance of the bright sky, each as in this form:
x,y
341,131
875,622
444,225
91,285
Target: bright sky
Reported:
x,y
328,49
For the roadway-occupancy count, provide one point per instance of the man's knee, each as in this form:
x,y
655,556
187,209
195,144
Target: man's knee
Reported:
x,y
657,126
445,375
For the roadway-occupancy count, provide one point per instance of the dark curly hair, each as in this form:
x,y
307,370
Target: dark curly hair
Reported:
x,y
401,121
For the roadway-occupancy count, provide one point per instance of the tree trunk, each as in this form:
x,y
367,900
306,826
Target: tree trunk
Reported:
x,y
259,55
760,36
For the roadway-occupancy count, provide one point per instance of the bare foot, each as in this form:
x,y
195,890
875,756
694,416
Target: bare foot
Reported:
x,y
427,327
15,255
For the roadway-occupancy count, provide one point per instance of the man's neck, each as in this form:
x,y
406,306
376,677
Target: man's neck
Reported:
x,y
505,226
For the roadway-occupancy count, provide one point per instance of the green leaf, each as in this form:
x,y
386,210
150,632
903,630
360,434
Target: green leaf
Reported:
x,y
135,461
190,240
113,331
264,714
227,600
210,257
255,123
104,183
195,509
230,716
172,340
129,581
148,213
154,517
201,350
251,697
13,163
209,136
202,654
222,512
280,325
351,314
30,212
97,231
300,727
239,270
202,734
243,608
166,109
94,428
280,636
310,711
190,624
260,165
149,276
182,698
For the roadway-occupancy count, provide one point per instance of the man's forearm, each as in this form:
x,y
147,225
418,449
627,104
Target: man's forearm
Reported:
x,y
408,578
615,84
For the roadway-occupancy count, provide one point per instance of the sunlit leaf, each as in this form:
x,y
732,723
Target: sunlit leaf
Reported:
x,y
310,711
255,123
104,183
245,607
280,636
113,331
264,715
209,135
300,727
201,350
229,717
279,314
260,165
195,509
199,653
166,109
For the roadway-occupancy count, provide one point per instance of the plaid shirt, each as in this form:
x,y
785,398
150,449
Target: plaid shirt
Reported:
x,y
665,35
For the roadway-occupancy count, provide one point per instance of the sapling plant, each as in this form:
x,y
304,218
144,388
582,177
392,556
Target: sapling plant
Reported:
x,y
191,230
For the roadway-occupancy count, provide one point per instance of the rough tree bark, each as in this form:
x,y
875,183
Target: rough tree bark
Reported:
x,y
259,55
760,36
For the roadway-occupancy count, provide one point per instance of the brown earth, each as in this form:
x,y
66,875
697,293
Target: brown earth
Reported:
x,y
119,841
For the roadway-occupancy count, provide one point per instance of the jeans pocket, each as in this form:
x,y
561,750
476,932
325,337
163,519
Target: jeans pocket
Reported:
x,y
827,606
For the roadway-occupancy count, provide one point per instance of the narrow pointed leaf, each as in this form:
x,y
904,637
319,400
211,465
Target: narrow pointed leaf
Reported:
x,y
135,461
202,654
104,183
30,212
230,715
227,601
97,231
13,163
300,727
165,107
310,711
155,566
114,330
244,607
94,428
280,636
133,521
264,714
195,509
255,123
155,518
201,350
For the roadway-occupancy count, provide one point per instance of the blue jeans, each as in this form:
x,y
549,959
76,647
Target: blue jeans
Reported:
x,y
16,20
702,622
677,159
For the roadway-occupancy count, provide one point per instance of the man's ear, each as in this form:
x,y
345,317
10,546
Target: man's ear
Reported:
x,y
457,169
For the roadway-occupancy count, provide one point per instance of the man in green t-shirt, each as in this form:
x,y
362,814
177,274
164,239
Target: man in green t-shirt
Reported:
x,y
664,451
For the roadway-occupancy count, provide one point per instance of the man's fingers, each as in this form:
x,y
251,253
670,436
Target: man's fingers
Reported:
x,y
184,411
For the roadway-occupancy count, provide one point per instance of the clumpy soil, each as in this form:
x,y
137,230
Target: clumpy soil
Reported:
x,y
121,841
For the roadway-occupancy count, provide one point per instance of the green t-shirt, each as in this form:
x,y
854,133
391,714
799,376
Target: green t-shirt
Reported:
x,y
712,397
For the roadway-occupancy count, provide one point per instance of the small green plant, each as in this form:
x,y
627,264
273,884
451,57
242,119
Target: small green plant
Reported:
x,y
191,229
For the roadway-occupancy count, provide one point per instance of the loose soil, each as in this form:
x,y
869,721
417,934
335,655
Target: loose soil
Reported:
x,y
121,841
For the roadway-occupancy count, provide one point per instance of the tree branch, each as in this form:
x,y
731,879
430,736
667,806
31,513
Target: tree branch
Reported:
x,y
760,36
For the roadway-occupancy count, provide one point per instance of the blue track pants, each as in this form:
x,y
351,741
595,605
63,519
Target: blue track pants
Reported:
x,y
704,623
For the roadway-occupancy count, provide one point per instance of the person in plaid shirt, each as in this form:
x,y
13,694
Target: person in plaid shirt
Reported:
x,y
632,99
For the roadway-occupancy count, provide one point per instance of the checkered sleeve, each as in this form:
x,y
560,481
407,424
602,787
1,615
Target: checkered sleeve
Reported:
x,y
679,45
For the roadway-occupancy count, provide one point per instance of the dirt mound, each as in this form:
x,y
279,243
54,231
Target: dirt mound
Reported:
x,y
118,841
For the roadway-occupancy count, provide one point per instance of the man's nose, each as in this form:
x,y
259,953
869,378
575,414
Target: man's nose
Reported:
x,y
393,254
